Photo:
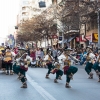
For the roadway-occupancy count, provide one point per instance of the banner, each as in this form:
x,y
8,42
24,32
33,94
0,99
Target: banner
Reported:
x,y
11,41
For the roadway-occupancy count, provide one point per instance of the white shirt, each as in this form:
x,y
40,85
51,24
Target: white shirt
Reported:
x,y
61,58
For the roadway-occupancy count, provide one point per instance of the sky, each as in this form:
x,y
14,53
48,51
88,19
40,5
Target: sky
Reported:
x,y
8,12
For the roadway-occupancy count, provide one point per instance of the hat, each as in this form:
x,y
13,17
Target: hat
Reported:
x,y
68,49
89,47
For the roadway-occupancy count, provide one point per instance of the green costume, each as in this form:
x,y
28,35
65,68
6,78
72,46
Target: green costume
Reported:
x,y
71,70
88,67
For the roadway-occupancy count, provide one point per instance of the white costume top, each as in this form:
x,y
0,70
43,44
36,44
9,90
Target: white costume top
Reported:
x,y
92,56
46,57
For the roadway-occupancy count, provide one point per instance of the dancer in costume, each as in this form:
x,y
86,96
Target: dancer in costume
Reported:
x,y
69,70
89,63
20,68
58,71
8,58
96,67
48,58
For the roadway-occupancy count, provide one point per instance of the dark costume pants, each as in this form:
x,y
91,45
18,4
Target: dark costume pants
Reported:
x,y
59,73
50,67
96,66
88,67
8,66
3,64
72,70
17,70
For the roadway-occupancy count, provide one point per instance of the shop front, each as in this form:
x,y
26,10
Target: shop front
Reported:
x,y
88,40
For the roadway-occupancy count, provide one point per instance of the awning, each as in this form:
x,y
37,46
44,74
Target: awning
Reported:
x,y
70,39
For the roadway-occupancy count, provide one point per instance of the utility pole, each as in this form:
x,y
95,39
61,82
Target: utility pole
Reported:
x,y
98,14
63,28
99,28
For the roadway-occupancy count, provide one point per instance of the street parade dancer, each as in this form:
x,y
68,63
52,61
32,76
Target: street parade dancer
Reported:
x,y
89,62
20,68
49,59
58,71
69,70
8,58
96,67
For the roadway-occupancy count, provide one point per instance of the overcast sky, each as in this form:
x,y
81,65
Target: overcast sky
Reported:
x,y
8,12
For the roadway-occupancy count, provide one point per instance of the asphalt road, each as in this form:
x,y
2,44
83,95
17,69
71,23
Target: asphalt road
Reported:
x,y
40,88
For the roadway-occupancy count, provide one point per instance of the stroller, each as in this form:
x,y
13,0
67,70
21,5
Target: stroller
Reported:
x,y
33,63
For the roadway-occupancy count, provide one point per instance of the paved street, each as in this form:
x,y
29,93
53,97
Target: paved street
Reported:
x,y
40,88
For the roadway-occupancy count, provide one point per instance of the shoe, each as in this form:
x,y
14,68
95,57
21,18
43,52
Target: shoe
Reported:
x,y
67,85
11,72
47,76
91,75
7,73
55,81
24,85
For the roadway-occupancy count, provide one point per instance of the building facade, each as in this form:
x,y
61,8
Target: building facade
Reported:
x,y
30,8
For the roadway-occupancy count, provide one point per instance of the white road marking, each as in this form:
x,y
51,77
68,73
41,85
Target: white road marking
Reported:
x,y
40,90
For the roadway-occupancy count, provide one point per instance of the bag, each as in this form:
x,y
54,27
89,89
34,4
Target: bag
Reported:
x,y
42,4
65,69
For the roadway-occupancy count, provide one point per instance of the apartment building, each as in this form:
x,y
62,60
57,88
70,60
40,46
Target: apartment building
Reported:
x,y
30,8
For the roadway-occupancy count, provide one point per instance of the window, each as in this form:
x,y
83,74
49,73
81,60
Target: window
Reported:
x,y
23,8
25,14
54,1
25,2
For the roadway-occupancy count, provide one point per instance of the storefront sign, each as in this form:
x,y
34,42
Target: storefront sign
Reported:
x,y
94,37
82,39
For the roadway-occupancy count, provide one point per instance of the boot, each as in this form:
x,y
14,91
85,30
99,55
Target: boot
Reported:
x,y
7,73
67,85
55,81
11,72
91,75
4,70
47,76
24,85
